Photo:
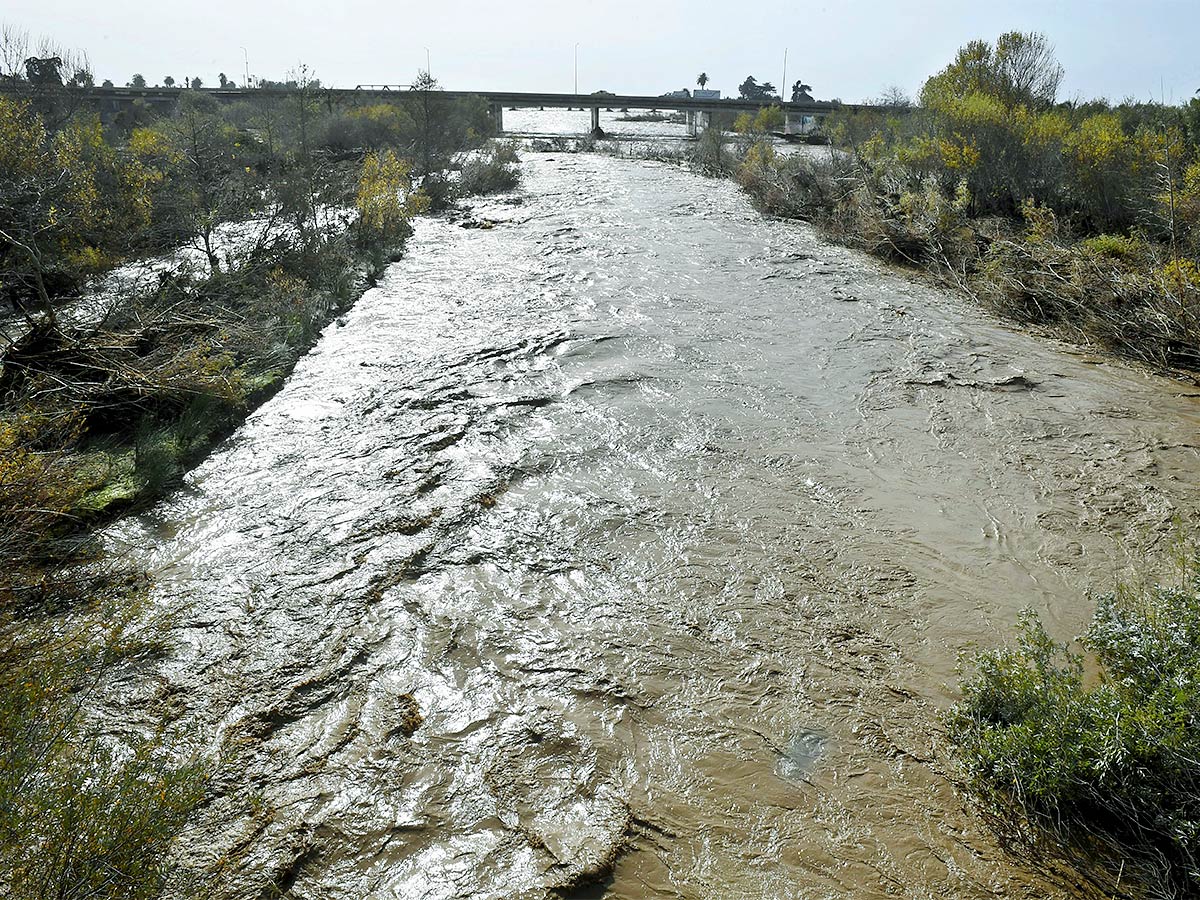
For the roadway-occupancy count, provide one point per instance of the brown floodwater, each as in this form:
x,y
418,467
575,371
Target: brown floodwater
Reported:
x,y
625,548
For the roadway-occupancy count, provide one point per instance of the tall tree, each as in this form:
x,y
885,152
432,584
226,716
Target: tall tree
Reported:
x,y
169,82
137,81
1020,70
197,83
54,197
702,80
44,72
207,164
750,89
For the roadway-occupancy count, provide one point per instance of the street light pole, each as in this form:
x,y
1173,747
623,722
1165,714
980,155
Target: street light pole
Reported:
x,y
427,65
246,56
577,69
783,87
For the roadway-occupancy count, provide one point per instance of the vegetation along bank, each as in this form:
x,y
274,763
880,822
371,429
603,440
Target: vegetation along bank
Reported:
x,y
162,275
1083,220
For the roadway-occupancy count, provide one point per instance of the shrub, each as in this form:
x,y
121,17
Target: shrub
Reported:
x,y
81,816
1114,246
368,128
491,170
709,155
1103,771
385,199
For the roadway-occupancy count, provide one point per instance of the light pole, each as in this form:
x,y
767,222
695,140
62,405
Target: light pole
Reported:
x,y
783,86
427,65
246,57
577,69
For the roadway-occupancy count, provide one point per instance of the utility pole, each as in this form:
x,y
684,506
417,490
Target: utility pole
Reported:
x,y
246,57
428,67
577,68
783,86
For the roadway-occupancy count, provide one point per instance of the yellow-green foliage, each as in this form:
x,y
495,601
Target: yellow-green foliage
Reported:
x,y
81,816
1186,200
22,138
384,200
38,492
150,155
1019,69
1181,276
64,195
767,119
1113,246
758,164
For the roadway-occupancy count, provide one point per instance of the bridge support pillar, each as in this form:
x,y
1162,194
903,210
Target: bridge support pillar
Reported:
x,y
498,118
597,131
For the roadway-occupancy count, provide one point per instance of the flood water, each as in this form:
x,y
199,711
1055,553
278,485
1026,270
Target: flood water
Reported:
x,y
625,549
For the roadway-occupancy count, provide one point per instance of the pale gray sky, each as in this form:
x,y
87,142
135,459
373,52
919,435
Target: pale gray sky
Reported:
x,y
849,50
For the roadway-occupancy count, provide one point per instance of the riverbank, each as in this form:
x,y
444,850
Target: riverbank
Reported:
x,y
102,416
1080,221
1121,293
100,419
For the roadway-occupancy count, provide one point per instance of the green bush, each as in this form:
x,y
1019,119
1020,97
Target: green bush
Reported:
x,y
1115,246
1106,770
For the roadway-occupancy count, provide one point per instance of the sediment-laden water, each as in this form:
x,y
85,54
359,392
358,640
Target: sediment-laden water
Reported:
x,y
627,545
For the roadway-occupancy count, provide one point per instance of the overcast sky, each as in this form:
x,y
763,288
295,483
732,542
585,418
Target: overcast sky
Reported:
x,y
848,50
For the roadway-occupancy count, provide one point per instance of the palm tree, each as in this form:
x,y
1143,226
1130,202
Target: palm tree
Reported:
x,y
702,80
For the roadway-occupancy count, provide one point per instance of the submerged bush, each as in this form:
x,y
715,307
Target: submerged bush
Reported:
x,y
1103,771
494,169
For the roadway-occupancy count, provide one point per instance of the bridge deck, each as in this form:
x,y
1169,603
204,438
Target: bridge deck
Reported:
x,y
504,98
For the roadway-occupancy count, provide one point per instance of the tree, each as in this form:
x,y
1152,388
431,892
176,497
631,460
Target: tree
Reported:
x,y
1027,68
14,50
206,163
1020,70
385,199
107,83
424,82
750,89
83,79
893,96
223,80
169,82
54,203
44,72
800,92
702,80
137,81
197,83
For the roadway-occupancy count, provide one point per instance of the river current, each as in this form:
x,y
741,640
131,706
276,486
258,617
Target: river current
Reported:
x,y
622,544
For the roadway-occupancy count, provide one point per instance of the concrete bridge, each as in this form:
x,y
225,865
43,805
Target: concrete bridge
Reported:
x,y
111,101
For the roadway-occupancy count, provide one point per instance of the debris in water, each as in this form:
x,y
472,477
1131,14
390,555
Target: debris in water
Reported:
x,y
802,754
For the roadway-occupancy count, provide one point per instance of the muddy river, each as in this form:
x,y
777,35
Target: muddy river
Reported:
x,y
625,548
